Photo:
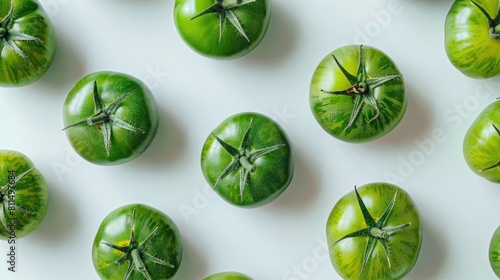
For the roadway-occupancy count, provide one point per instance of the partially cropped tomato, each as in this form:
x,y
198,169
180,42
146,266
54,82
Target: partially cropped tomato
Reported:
x,y
374,232
23,196
137,242
27,42
110,118
494,252
228,276
357,94
222,29
472,37
481,145
248,160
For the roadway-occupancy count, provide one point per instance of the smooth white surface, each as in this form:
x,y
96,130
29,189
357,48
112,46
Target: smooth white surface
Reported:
x,y
194,94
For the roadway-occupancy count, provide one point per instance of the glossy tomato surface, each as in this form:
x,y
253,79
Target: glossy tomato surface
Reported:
x,y
228,276
494,252
472,37
136,242
481,146
224,29
248,160
110,118
374,232
357,94
23,195
27,42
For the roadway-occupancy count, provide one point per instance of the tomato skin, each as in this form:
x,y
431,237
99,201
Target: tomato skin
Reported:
x,y
28,18
481,146
333,111
30,194
202,34
228,276
137,109
468,43
494,252
346,217
273,171
115,229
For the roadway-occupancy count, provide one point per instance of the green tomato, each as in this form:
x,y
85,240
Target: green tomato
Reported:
x,y
247,160
228,276
374,232
224,29
494,252
137,242
27,42
110,118
481,145
357,94
23,196
472,37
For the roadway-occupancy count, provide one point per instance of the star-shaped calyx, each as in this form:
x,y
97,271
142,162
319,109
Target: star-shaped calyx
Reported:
x,y
135,253
375,231
244,158
498,163
6,199
104,118
362,88
9,36
494,23
225,10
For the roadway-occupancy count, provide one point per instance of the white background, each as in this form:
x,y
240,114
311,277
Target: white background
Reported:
x,y
194,94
